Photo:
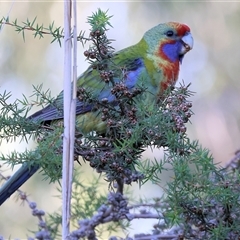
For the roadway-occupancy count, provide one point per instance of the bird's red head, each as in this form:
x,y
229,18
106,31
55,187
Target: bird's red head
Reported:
x,y
181,28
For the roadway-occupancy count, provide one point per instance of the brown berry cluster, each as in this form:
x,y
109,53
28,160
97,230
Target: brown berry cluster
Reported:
x,y
132,176
81,94
180,109
90,54
120,89
131,113
131,126
101,48
106,76
105,158
111,121
96,34
107,152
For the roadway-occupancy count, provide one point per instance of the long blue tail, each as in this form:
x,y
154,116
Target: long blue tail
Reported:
x,y
16,181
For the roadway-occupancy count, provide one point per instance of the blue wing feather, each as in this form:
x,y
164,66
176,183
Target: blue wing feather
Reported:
x,y
55,111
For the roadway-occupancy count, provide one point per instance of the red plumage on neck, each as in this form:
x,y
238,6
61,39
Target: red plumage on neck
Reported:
x,y
169,68
170,72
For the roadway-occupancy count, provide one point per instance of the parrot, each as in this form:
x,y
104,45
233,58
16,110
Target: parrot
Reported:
x,y
155,60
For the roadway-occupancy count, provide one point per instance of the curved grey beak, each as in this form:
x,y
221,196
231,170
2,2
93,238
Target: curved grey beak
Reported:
x,y
187,43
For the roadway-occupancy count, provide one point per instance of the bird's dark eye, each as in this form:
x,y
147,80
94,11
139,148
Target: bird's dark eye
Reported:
x,y
170,33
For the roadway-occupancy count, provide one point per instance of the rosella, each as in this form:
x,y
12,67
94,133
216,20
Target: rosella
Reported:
x,y
154,61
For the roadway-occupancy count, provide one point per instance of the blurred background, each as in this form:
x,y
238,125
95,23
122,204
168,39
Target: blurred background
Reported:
x,y
212,67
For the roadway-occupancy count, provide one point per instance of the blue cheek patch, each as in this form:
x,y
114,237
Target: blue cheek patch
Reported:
x,y
171,51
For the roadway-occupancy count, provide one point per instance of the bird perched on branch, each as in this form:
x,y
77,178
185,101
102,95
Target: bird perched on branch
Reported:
x,y
154,61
